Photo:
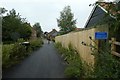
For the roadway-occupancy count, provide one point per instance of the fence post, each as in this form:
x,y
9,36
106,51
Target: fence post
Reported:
x,y
113,47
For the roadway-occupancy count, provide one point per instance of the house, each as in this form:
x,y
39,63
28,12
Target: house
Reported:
x,y
53,34
98,17
98,14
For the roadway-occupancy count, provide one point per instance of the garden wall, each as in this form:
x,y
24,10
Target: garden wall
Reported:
x,y
76,38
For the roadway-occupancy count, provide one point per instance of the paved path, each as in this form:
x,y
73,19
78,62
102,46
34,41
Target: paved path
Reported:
x,y
43,63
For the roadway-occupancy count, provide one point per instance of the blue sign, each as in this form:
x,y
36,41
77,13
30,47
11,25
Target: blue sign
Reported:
x,y
101,35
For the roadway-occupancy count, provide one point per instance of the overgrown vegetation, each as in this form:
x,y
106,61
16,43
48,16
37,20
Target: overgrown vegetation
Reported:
x,y
15,31
34,44
70,55
13,53
106,65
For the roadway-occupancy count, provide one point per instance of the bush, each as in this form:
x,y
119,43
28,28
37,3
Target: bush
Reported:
x,y
6,52
106,65
71,56
36,43
14,53
20,40
18,52
74,69
72,72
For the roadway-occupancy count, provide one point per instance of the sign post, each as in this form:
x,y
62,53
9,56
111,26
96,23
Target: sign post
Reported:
x,y
101,38
101,35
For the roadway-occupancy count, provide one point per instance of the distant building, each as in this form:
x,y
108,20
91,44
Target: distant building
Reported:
x,y
53,33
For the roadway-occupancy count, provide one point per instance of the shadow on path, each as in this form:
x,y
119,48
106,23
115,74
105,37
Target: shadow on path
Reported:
x,y
43,63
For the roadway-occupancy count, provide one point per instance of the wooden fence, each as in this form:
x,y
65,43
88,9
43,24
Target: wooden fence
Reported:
x,y
113,46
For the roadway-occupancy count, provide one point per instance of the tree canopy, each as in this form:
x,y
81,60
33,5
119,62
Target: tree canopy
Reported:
x,y
66,22
15,27
38,29
2,10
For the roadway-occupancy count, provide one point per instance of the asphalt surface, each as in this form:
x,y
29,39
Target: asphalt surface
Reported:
x,y
43,63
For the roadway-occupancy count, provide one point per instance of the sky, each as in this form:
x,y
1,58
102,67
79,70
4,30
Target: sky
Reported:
x,y
46,12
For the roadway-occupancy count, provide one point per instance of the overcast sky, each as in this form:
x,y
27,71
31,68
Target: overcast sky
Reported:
x,y
46,11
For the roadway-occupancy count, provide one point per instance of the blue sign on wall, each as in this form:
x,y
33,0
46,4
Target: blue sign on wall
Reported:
x,y
101,35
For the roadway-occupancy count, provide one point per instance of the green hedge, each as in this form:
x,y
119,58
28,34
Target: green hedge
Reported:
x,y
13,53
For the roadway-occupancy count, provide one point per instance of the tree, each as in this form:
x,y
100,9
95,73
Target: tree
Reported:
x,y
66,22
2,10
117,21
114,24
25,31
13,27
38,29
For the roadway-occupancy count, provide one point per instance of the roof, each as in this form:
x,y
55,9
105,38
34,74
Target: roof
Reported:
x,y
53,32
110,7
98,14
78,29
